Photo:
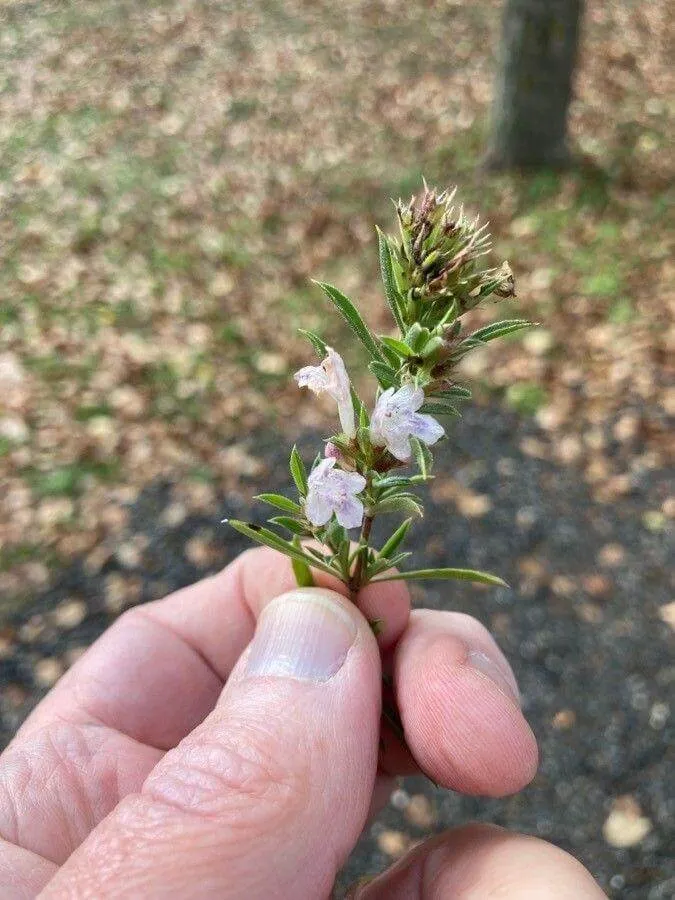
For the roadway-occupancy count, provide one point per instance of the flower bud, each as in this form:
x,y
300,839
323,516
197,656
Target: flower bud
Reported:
x,y
439,258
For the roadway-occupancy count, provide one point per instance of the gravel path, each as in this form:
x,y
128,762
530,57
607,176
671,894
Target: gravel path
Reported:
x,y
588,627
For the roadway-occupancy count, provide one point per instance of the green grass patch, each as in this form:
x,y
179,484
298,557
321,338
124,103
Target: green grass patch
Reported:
x,y
68,480
602,284
526,397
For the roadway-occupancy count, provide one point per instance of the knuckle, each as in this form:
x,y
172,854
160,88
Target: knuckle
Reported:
x,y
50,763
242,777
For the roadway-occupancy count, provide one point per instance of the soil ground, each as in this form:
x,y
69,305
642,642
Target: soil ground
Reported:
x,y
587,626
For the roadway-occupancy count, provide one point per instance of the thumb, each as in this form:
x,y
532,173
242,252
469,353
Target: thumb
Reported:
x,y
268,795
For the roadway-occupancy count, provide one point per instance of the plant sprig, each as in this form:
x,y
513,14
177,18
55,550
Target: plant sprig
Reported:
x,y
433,275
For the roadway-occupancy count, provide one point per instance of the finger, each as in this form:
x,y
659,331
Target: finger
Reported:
x,y
458,702
151,678
182,649
268,795
481,861
22,874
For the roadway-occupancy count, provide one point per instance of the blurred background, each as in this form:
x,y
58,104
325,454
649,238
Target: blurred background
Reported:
x,y
172,176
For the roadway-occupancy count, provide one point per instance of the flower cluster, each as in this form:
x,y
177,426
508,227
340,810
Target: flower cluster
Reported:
x,y
432,276
394,421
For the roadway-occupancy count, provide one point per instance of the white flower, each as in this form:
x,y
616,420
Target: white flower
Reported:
x,y
333,491
395,419
331,377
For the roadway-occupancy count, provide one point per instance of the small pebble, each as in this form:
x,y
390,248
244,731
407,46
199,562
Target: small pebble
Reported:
x,y
14,695
563,585
626,826
48,671
120,591
473,506
526,517
420,812
611,555
393,843
70,613
129,555
569,449
31,630
596,585
399,799
95,561
626,428
659,715
71,656
199,551
173,515
564,719
667,613
591,613
534,448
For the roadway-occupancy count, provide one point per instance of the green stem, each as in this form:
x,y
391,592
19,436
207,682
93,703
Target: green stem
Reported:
x,y
357,576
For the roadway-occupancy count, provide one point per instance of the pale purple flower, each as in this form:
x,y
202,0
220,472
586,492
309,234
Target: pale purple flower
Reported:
x,y
332,490
331,377
395,420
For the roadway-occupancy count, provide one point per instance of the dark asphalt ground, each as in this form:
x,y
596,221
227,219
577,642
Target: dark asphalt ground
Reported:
x,y
581,626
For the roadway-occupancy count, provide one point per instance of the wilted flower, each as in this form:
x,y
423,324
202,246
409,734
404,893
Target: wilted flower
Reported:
x,y
331,490
331,377
395,420
440,255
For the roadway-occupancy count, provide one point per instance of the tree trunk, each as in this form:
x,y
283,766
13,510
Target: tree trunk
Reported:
x,y
534,85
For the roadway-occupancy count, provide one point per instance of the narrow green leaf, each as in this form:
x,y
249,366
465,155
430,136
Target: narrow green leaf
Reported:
x,y
317,554
292,525
391,356
423,457
399,347
354,320
440,408
384,374
391,291
315,341
499,329
298,471
456,392
381,565
302,572
280,502
269,539
396,539
395,481
445,574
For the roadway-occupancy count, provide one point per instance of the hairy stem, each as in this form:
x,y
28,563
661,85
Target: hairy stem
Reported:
x,y
357,575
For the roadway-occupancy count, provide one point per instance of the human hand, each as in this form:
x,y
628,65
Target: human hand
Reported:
x,y
223,742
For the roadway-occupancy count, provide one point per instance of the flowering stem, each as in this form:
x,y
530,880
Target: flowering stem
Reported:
x,y
355,580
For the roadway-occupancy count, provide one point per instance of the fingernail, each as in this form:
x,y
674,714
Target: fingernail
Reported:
x,y
498,672
305,635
